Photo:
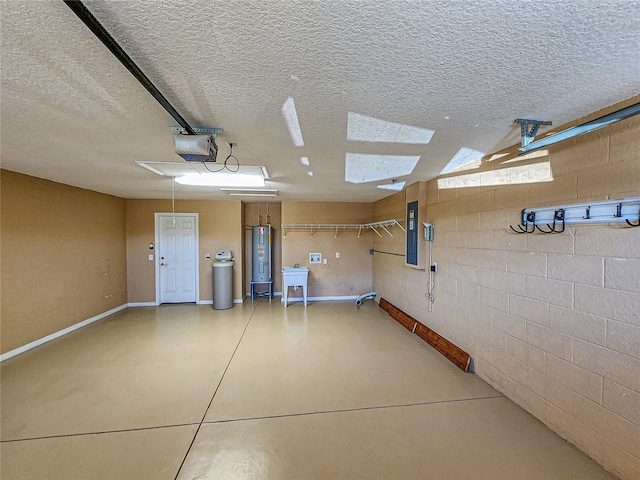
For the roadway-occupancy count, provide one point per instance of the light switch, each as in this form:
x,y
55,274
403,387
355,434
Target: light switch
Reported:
x,y
150,257
337,254
324,261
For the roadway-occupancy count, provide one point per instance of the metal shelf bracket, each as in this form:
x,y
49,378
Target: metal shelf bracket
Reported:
x,y
200,131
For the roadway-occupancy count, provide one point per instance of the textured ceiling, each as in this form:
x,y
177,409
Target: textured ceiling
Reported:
x,y
464,70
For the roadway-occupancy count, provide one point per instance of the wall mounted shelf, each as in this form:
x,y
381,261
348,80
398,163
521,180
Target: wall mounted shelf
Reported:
x,y
338,228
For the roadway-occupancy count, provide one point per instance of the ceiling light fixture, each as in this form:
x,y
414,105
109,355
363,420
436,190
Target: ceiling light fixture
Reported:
x,y
235,192
221,180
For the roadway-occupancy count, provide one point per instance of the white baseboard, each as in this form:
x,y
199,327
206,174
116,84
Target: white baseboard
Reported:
x,y
142,304
59,333
320,299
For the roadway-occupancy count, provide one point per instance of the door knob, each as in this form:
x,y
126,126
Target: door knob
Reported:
x,y
163,264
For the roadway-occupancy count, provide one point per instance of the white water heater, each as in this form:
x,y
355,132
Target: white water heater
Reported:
x,y
262,247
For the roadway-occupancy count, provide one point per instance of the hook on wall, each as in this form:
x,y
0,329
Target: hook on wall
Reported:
x,y
630,223
528,218
557,217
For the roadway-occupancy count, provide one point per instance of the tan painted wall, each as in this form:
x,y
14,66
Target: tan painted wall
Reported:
x,y
63,257
550,320
349,275
251,218
220,227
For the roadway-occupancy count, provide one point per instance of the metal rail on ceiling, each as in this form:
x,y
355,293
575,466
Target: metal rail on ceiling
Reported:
x,y
609,119
99,31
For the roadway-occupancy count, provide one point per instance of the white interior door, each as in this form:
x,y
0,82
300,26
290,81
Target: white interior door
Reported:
x,y
177,258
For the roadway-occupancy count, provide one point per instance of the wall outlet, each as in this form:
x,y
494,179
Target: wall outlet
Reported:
x,y
324,261
315,258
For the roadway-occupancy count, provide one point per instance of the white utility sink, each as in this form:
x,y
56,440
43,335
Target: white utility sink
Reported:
x,y
295,277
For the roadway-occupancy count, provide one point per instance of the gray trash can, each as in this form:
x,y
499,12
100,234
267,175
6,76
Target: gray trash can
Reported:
x,y
222,285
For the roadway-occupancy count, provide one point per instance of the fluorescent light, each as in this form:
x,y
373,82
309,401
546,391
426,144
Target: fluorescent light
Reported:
x,y
291,118
397,186
369,129
534,173
178,169
248,192
464,157
361,168
221,180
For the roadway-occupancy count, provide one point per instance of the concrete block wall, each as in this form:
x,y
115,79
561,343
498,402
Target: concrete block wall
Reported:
x,y
552,321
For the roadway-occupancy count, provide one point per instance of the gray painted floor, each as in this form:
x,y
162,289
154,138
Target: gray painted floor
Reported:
x,y
258,391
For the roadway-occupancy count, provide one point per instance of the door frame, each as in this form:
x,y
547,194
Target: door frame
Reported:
x,y
156,217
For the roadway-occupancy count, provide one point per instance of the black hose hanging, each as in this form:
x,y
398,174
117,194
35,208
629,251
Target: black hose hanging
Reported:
x,y
99,31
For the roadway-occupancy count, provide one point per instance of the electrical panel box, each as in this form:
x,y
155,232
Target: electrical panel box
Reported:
x,y
412,233
416,243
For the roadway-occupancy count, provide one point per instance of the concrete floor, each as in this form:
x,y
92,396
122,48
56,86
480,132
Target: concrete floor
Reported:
x,y
258,391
